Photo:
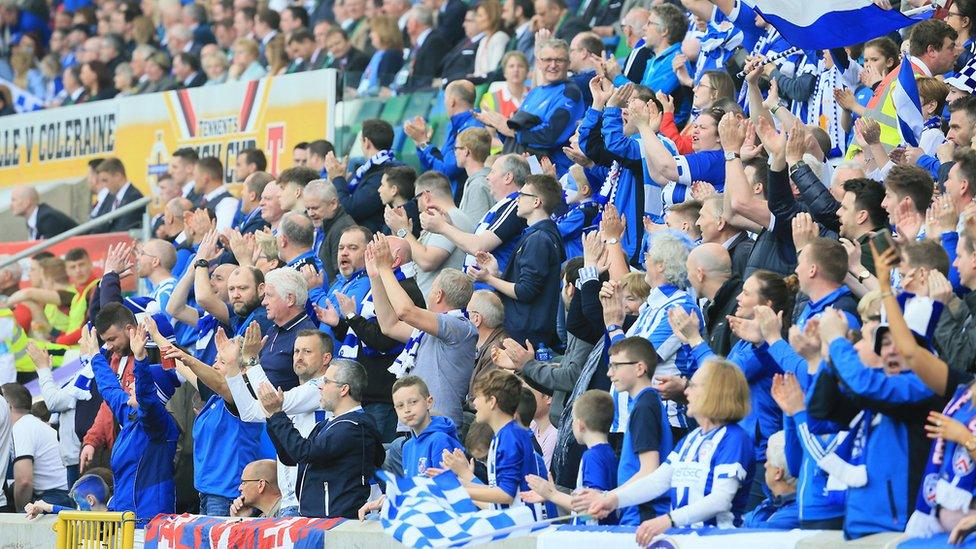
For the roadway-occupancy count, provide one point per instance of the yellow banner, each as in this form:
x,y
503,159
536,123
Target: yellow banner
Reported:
x,y
272,114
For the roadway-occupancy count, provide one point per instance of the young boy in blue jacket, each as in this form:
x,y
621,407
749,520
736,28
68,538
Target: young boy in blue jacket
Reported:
x,y
145,449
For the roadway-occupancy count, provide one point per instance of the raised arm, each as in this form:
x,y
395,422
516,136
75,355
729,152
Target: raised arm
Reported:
x,y
746,209
438,222
202,289
386,315
176,307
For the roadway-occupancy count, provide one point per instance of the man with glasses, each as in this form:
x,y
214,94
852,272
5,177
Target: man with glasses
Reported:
x,y
547,117
529,285
259,491
585,56
665,29
339,456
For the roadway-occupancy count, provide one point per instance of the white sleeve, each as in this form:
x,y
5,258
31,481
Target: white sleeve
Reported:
x,y
248,408
718,501
646,488
303,399
225,212
56,399
256,376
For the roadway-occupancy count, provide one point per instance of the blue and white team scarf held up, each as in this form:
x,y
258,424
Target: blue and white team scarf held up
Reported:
x,y
350,344
404,363
950,473
377,159
847,462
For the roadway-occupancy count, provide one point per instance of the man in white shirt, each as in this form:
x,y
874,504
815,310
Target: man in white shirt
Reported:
x,y
38,470
209,182
311,358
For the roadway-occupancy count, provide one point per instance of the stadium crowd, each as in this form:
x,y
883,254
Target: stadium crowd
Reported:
x,y
630,283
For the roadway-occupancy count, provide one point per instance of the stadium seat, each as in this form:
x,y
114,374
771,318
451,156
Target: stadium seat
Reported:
x,y
419,104
393,109
371,108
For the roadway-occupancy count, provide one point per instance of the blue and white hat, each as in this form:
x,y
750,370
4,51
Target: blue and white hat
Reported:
x,y
922,316
142,306
966,79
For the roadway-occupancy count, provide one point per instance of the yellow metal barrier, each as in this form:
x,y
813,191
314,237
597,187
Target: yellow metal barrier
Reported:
x,y
95,530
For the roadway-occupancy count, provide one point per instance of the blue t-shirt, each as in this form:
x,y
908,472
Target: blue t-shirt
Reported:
x,y
702,166
647,431
224,444
597,472
702,458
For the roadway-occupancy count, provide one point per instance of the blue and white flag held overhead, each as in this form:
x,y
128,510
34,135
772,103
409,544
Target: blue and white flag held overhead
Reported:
x,y
907,104
23,100
437,512
826,24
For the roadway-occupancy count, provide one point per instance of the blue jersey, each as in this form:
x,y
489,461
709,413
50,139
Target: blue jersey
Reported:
x,y
596,472
224,444
425,450
702,458
647,431
510,458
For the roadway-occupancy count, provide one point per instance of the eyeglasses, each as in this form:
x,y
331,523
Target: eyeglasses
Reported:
x,y
338,383
553,60
521,194
617,365
246,480
954,14
407,404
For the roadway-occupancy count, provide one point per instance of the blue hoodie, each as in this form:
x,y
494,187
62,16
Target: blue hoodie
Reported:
x,y
145,449
440,435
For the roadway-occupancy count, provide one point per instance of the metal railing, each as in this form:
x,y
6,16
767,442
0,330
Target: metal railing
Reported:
x,y
82,229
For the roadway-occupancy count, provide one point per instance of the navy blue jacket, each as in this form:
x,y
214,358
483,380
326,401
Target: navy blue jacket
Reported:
x,y
335,462
363,203
276,355
534,268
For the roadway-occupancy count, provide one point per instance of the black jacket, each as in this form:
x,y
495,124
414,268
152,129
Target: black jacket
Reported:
x,y
379,381
131,220
459,62
816,197
335,462
425,62
739,251
363,203
450,22
198,79
52,222
570,27
350,68
720,337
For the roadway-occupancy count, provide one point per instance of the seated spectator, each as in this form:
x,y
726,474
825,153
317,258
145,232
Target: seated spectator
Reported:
x,y
158,77
506,96
216,67
244,64
387,41
250,161
349,61
43,221
427,50
97,81
488,20
779,511
38,473
529,284
340,455
187,70
259,491
459,62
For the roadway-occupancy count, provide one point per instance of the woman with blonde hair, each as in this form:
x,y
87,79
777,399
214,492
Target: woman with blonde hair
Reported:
x,y
245,66
488,18
388,58
506,97
710,471
276,55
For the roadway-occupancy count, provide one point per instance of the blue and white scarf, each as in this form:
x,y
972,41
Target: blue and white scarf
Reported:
x,y
350,344
847,462
717,44
377,159
404,363
950,473
608,191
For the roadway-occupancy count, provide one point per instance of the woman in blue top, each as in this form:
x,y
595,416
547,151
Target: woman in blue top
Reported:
x,y
710,471
388,59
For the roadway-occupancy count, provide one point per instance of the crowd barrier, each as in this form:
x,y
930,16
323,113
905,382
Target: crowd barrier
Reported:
x,y
18,532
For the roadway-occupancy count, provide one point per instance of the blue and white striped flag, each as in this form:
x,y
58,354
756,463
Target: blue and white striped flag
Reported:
x,y
23,100
826,24
437,512
908,106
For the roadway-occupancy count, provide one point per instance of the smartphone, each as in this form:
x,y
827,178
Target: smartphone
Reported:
x,y
535,168
882,241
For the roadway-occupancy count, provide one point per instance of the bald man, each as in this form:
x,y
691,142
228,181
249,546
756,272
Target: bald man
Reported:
x,y
259,490
710,273
43,221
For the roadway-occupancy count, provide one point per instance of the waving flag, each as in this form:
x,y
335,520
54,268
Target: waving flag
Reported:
x,y
826,24
437,512
908,106
23,100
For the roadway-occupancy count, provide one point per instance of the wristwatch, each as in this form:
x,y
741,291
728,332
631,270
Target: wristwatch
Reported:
x,y
863,276
612,241
202,263
402,233
729,155
970,445
350,316
613,328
